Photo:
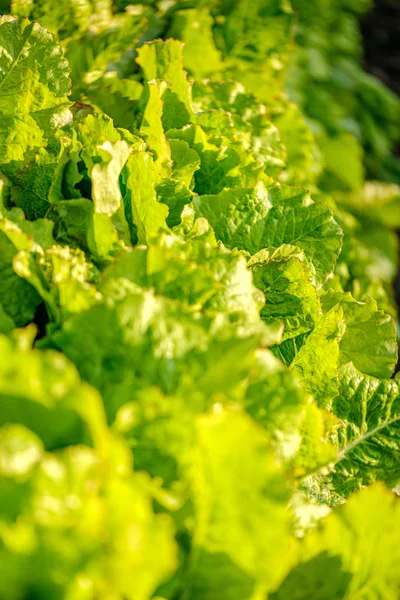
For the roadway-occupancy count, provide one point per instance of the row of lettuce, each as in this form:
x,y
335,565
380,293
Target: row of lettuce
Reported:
x,y
198,330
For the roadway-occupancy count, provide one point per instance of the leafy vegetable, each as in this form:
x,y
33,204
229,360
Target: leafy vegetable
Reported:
x,y
197,328
34,87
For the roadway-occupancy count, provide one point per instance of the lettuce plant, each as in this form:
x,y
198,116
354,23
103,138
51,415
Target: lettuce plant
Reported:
x,y
197,324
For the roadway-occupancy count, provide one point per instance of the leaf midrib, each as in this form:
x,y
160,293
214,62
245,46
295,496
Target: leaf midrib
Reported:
x,y
366,436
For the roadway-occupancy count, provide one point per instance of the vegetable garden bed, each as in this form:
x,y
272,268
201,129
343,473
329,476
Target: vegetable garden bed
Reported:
x,y
199,203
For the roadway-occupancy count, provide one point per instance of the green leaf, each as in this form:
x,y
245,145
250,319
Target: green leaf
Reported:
x,y
368,439
315,449
62,278
86,197
133,335
243,118
31,186
254,59
6,322
223,164
163,60
253,219
91,52
369,340
207,278
275,399
303,162
118,98
194,28
76,223
148,215
151,127
209,328
185,161
176,196
353,534
229,557
378,201
369,249
323,575
42,391
67,536
343,155
20,451
17,297
317,361
34,85
284,277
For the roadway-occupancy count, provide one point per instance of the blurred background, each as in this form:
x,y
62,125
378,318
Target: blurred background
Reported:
x,y
381,34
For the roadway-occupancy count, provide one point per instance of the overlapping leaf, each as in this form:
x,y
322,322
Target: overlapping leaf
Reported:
x,y
253,219
153,236
368,436
34,84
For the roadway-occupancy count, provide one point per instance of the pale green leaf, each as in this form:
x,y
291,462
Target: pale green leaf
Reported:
x,y
148,215
194,28
369,340
363,535
34,84
290,296
368,439
164,60
253,219
317,361
151,127
231,467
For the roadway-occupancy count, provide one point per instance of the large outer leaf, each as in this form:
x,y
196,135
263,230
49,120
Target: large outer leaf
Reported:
x,y
317,361
253,219
369,340
364,533
34,85
233,468
207,277
284,277
369,437
353,555
185,340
